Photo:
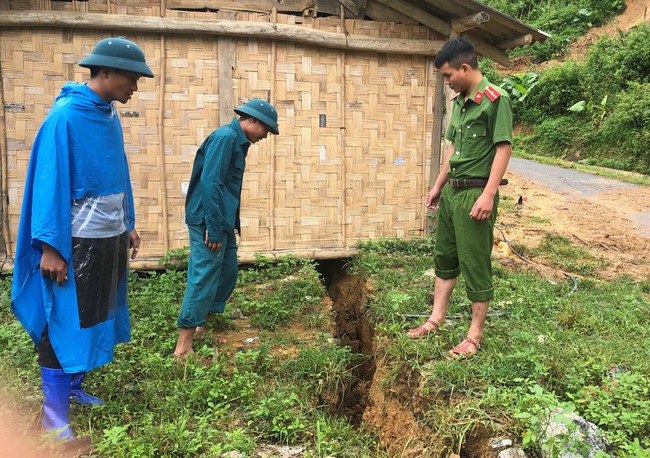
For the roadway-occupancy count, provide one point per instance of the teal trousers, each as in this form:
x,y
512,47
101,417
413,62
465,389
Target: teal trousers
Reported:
x,y
211,278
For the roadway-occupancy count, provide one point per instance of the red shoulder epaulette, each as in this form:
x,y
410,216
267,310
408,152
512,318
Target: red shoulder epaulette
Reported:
x,y
492,93
478,97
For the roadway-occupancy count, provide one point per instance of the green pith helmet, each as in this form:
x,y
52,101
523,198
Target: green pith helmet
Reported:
x,y
262,111
118,53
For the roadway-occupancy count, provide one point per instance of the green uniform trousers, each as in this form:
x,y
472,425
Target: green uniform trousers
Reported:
x,y
211,278
464,245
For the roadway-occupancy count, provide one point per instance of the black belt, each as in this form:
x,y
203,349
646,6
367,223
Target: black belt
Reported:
x,y
471,182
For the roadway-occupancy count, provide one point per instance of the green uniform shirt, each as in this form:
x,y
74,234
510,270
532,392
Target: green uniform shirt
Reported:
x,y
214,192
476,126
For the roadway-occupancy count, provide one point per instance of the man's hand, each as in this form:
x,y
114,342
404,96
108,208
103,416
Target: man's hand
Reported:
x,y
53,265
134,242
432,199
482,208
212,246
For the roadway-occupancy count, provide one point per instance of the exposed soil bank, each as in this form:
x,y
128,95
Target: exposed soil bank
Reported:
x,y
391,404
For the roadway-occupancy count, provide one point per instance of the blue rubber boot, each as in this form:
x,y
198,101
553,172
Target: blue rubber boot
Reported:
x,y
56,402
79,394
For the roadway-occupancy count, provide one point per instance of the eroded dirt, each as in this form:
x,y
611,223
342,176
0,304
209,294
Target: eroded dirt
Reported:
x,y
605,224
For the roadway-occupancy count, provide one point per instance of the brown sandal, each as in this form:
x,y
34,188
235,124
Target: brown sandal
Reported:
x,y
421,331
462,350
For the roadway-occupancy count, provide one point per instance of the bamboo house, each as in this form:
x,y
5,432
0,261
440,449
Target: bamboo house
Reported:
x,y
359,100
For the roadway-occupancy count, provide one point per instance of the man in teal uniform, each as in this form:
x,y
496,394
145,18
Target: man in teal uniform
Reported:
x,y
466,191
212,215
76,227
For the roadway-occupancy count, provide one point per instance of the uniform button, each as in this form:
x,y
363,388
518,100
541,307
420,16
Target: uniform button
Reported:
x,y
468,127
457,153
453,169
463,110
474,135
459,130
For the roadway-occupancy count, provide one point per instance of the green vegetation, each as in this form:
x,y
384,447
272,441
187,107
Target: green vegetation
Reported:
x,y
236,397
546,348
563,254
549,351
564,20
594,112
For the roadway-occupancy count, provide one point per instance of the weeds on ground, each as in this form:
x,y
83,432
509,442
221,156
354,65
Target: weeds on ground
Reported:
x,y
564,254
218,401
546,347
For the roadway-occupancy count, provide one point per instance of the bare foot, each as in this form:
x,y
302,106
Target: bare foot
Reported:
x,y
182,356
184,344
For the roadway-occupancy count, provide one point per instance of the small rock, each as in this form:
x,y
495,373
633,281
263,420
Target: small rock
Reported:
x,y
430,273
237,314
232,454
584,435
513,452
500,443
282,451
250,340
614,371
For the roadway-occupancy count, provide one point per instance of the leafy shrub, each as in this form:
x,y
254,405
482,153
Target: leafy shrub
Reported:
x,y
176,259
613,87
622,140
326,369
614,62
557,136
536,410
564,20
278,416
621,407
559,87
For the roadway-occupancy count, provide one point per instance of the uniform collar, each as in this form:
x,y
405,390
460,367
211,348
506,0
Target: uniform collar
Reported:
x,y
479,93
241,136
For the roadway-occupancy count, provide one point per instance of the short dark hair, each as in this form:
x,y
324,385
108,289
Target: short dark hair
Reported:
x,y
457,51
94,71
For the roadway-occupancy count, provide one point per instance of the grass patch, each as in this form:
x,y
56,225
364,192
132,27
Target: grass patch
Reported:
x,y
544,348
538,220
562,253
239,400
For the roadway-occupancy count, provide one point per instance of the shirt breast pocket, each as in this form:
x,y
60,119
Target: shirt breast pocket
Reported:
x,y
236,170
476,132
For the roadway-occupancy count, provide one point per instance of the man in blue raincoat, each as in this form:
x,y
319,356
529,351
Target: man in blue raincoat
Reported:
x,y
212,215
76,227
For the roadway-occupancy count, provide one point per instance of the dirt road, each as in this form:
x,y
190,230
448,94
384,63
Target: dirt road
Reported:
x,y
608,217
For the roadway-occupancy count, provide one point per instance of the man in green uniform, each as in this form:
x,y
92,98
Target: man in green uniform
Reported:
x,y
466,191
212,215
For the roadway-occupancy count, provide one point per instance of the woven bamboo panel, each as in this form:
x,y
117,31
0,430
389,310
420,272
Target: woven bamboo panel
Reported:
x,y
351,163
191,113
36,64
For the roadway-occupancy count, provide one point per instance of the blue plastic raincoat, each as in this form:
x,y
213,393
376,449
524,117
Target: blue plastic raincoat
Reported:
x,y
78,153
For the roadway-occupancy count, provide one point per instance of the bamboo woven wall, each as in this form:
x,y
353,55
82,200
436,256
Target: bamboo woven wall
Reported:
x,y
351,163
